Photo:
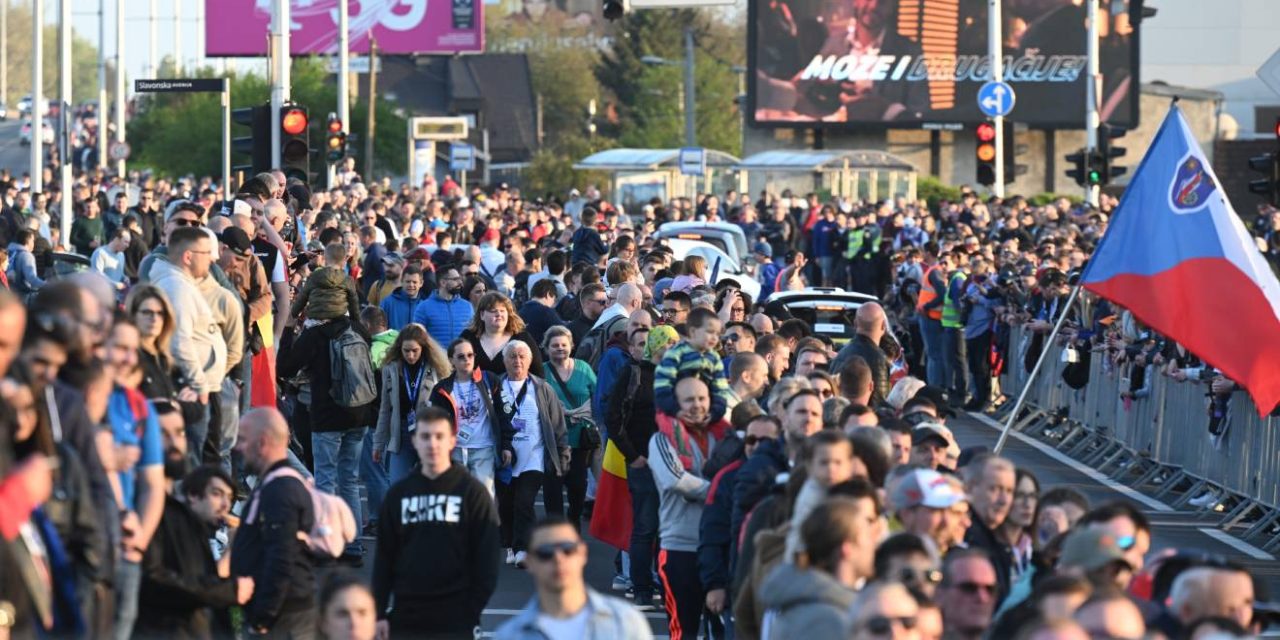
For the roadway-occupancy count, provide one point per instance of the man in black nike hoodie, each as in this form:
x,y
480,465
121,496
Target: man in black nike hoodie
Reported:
x,y
438,545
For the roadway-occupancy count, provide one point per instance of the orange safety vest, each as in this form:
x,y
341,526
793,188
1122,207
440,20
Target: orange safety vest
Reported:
x,y
928,294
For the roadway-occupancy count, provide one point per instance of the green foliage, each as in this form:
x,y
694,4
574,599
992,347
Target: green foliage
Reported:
x,y
84,58
551,170
180,133
932,190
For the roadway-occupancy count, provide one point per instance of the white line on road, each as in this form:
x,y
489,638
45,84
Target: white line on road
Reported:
x,y
1064,459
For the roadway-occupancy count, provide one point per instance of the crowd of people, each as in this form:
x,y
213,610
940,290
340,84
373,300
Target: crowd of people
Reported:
x,y
245,395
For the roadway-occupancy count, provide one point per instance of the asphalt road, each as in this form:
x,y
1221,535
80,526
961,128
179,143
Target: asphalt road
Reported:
x,y
13,156
1177,529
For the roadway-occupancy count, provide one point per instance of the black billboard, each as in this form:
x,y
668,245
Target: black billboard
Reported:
x,y
914,63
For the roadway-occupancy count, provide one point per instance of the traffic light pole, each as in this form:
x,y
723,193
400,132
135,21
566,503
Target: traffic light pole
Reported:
x,y
995,51
64,111
1092,118
280,77
120,91
344,68
37,98
226,139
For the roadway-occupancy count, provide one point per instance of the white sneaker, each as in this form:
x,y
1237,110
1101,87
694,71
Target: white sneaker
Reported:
x,y
520,558
511,556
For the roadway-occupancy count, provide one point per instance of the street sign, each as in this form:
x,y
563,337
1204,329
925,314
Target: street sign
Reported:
x,y
693,161
438,128
996,99
355,64
1269,72
119,150
178,85
462,157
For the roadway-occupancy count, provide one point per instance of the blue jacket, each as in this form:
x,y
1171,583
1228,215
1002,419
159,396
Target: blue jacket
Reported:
x,y
756,478
444,319
23,278
538,318
610,618
587,246
614,360
715,533
399,308
768,278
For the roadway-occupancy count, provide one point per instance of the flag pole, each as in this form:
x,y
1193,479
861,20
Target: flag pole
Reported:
x,y
1044,353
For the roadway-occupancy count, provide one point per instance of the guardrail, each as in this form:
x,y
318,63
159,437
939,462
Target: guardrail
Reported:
x,y
1159,444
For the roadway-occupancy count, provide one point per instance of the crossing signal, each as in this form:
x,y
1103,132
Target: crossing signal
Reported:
x,y
985,153
256,145
1269,165
295,148
1011,151
336,139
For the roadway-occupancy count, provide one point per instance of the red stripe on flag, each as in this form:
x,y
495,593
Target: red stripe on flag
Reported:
x,y
611,517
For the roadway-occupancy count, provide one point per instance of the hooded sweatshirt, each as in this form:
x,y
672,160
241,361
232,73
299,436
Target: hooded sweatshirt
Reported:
x,y
805,603
23,277
438,549
199,349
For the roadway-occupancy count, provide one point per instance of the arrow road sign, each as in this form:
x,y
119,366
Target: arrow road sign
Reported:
x,y
996,99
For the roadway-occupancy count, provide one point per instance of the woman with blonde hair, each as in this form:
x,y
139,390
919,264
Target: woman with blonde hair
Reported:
x,y
695,273
149,308
494,325
411,368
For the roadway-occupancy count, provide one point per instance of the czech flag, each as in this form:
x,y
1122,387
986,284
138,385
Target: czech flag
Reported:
x,y
1177,256
611,518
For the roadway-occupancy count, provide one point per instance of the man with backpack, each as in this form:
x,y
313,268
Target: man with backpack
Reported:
x,y
267,547
343,390
613,321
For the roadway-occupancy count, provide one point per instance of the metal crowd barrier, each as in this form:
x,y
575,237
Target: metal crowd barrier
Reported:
x,y
1160,444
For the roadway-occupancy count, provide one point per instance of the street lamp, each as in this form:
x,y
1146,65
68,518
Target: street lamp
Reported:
x,y
690,113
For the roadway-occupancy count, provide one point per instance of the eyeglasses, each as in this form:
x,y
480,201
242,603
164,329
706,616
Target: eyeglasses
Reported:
x,y
150,313
826,393
883,625
671,312
464,356
547,552
1126,542
184,222
972,588
600,301
732,337
913,575
753,440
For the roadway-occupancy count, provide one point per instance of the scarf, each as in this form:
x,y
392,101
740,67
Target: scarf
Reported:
x,y
678,435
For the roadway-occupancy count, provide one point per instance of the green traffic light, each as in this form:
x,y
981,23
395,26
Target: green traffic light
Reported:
x,y
1095,177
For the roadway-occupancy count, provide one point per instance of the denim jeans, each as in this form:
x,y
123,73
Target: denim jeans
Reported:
x,y
481,462
935,360
197,433
337,455
644,529
402,461
956,382
229,416
374,475
128,581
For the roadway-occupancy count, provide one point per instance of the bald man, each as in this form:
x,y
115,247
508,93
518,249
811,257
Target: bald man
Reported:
x,y
1203,592
628,298
871,324
266,546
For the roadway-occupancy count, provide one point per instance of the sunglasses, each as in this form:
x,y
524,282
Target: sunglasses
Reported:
x,y
547,552
912,575
883,625
973,588
183,222
753,440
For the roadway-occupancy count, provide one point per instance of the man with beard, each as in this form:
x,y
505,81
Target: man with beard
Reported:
x,y
182,595
445,313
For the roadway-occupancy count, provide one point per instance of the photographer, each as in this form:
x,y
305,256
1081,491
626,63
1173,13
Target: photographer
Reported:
x,y
980,301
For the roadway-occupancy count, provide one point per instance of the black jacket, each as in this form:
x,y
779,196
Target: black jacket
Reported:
x,y
438,552
310,351
268,550
861,345
756,479
181,592
630,411
538,318
980,537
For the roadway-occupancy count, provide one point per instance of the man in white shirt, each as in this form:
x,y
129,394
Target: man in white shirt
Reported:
x,y
109,258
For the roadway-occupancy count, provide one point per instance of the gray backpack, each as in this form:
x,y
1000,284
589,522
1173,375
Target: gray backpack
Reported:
x,y
354,384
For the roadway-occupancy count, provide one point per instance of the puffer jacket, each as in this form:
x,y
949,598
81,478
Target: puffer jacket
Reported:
x,y
444,319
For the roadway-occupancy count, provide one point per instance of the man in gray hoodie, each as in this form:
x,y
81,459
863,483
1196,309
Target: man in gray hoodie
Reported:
x,y
840,538
23,278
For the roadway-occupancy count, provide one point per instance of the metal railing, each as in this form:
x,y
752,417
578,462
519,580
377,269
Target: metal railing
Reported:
x,y
1159,444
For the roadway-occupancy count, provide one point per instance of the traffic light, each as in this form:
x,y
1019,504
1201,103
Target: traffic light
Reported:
x,y
1086,168
984,152
1106,153
1011,151
614,9
336,140
295,148
256,145
1269,165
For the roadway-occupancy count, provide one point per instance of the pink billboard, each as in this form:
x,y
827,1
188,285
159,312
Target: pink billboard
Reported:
x,y
241,27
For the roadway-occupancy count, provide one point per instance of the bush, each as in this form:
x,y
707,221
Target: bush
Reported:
x,y
933,190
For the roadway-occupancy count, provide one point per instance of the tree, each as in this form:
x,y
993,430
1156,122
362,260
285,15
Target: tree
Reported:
x,y
84,60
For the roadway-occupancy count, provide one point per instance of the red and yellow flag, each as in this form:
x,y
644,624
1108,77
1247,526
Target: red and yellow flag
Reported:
x,y
611,519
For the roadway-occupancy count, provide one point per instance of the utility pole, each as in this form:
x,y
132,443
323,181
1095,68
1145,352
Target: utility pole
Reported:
x,y
280,77
344,68
995,49
4,52
1092,118
177,38
37,96
64,94
103,111
153,63
120,92
373,84
690,108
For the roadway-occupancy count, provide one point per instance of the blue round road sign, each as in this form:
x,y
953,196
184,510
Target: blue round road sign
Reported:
x,y
996,99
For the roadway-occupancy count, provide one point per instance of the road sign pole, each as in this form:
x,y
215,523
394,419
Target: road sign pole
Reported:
x,y
37,97
226,139
995,49
120,91
103,111
690,98
64,119
1092,118
280,79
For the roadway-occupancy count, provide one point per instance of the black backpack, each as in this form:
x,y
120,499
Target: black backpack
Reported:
x,y
351,367
596,340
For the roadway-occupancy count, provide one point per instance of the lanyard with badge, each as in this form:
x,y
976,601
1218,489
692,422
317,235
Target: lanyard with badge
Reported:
x,y
468,411
414,387
518,423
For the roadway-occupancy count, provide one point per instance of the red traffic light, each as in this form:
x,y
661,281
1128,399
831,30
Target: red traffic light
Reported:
x,y
335,125
1278,127
293,121
986,132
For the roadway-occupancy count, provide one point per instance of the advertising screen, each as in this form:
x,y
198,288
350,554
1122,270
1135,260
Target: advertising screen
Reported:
x,y
241,27
911,63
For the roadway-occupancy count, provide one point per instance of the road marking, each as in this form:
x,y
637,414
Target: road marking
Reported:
x,y
1236,543
652,615
1071,462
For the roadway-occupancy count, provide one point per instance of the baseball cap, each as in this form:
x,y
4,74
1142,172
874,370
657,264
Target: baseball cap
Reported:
x,y
939,399
393,258
237,240
763,248
490,235
1091,548
932,431
925,488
